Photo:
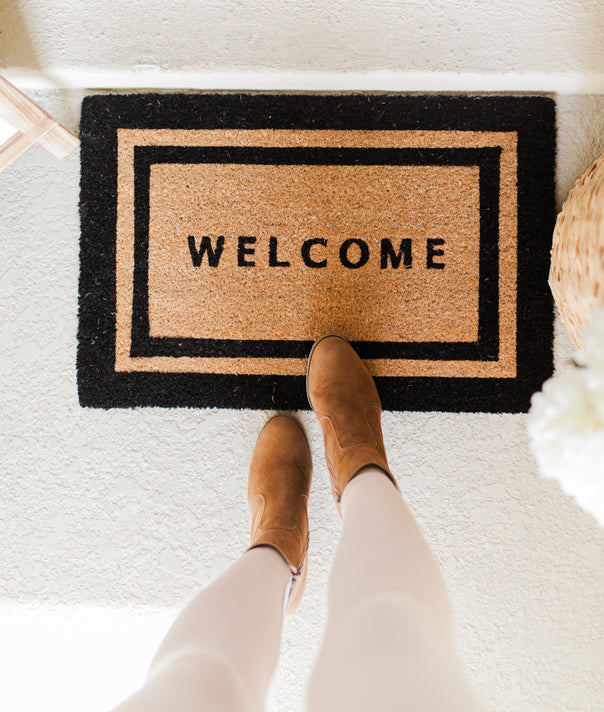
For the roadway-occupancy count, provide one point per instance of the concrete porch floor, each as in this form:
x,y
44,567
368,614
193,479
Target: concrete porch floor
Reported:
x,y
112,520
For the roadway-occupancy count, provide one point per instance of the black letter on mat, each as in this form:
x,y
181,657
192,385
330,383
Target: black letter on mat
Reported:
x,y
308,260
242,251
395,259
273,261
344,253
206,246
431,253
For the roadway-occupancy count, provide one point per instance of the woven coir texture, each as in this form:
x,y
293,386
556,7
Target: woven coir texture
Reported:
x,y
223,233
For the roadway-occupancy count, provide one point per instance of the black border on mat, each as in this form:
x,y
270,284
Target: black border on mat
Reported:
x,y
485,348
532,117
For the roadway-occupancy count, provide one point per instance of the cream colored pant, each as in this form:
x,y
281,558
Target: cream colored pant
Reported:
x,y
388,641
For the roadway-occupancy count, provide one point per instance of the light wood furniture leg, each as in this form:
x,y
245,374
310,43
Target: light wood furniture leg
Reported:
x,y
33,126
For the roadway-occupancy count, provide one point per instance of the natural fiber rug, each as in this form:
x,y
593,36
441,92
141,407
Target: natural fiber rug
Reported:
x,y
223,233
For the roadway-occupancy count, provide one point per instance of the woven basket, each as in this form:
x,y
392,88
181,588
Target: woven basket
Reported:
x,y
576,274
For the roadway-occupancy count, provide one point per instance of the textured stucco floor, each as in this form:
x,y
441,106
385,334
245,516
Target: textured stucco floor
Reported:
x,y
111,520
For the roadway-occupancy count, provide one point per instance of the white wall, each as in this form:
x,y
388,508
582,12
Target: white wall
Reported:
x,y
397,44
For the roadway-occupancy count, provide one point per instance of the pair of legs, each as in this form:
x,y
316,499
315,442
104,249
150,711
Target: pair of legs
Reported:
x,y
388,640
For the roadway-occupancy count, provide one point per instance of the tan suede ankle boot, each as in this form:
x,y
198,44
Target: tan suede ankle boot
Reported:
x,y
345,400
278,489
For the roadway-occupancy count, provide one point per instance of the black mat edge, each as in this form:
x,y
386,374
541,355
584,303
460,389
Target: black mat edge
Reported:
x,y
532,116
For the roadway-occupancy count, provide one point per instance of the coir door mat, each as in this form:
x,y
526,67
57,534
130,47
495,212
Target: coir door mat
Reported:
x,y
223,233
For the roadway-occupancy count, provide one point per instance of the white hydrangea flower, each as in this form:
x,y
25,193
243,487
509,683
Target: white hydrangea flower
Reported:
x,y
566,423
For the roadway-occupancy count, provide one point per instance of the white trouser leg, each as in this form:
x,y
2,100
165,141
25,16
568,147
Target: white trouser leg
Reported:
x,y
388,642
221,651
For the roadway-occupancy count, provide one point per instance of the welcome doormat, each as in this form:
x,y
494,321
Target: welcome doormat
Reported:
x,y
221,234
